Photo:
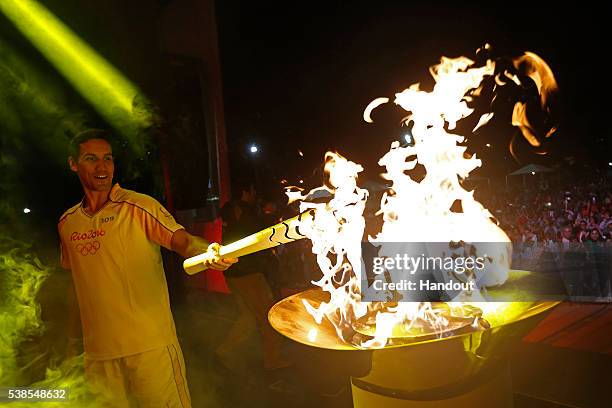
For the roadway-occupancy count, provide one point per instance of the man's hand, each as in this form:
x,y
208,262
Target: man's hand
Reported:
x,y
187,245
216,262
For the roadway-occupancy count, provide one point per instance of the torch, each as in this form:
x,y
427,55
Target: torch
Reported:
x,y
281,233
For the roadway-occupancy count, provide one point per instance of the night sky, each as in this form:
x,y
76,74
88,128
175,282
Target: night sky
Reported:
x,y
299,76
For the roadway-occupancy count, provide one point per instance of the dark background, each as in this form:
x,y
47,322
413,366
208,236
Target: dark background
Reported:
x,y
300,76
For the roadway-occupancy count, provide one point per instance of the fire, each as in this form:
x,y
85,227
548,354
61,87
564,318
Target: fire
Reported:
x,y
538,70
413,212
371,106
337,229
520,120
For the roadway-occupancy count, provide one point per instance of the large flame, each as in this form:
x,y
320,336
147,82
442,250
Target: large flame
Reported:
x,y
413,212
336,233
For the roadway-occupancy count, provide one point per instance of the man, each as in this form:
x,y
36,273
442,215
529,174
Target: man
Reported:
x,y
572,262
110,241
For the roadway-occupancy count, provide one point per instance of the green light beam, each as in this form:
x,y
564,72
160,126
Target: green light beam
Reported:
x,y
103,86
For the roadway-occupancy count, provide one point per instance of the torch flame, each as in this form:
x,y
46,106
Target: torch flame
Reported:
x,y
336,233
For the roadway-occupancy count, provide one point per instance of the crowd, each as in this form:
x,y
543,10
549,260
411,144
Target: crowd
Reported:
x,y
564,230
571,213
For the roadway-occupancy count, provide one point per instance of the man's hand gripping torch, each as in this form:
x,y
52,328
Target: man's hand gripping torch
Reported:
x,y
281,233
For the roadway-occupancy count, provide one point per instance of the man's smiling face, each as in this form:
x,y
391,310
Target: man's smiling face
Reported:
x,y
94,166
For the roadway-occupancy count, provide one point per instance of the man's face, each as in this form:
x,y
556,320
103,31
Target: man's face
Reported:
x,y
94,166
567,233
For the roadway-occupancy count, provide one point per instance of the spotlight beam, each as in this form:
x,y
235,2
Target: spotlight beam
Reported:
x,y
101,84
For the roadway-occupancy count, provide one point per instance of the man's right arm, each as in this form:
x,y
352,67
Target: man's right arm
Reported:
x,y
187,245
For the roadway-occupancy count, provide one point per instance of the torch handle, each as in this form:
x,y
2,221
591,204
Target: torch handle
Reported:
x,y
281,233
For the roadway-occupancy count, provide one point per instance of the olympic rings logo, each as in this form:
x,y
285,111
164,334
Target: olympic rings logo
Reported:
x,y
89,248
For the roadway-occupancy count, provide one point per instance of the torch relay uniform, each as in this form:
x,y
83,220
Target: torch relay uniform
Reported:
x,y
129,337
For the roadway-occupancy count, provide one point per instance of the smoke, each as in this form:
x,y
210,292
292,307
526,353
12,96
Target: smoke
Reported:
x,y
22,275
33,340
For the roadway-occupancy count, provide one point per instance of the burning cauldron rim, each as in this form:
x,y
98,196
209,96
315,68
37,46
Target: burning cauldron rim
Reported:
x,y
536,308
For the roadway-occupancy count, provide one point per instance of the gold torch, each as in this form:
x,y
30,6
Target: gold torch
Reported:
x,y
281,233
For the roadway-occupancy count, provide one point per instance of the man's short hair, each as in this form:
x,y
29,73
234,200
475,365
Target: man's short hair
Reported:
x,y
84,136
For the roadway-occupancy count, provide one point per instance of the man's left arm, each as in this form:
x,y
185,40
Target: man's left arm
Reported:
x,y
187,245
